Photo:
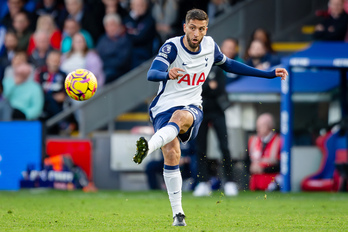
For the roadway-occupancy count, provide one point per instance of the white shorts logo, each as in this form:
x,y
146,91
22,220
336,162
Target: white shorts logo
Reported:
x,y
193,110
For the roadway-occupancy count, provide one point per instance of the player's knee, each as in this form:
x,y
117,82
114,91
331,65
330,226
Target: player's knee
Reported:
x,y
172,160
171,155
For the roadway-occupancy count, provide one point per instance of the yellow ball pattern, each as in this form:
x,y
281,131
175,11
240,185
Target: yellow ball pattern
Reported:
x,y
81,84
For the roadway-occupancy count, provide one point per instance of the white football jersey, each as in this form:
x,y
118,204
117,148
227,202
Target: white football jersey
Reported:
x,y
186,90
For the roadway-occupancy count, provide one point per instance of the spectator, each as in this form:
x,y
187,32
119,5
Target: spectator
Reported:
x,y
46,23
24,96
71,27
264,152
51,78
81,57
23,32
76,10
19,57
11,43
16,6
50,7
215,102
230,48
114,48
141,28
334,27
39,54
258,56
264,36
165,13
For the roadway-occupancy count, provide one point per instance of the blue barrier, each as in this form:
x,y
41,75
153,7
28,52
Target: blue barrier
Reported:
x,y
20,148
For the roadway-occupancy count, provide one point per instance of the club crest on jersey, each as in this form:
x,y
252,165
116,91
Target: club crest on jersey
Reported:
x,y
192,80
166,49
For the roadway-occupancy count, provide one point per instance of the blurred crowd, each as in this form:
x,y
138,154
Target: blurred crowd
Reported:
x,y
41,41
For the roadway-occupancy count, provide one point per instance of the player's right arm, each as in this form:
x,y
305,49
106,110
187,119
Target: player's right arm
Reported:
x,y
233,66
159,67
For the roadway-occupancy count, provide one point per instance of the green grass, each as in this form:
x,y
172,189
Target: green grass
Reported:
x,y
49,210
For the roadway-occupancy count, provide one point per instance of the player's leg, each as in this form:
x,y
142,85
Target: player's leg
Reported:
x,y
189,120
219,123
180,121
173,180
171,172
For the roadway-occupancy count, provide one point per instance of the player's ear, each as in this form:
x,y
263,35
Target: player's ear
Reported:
x,y
184,26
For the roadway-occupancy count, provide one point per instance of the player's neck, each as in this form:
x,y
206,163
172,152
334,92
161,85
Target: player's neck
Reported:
x,y
188,46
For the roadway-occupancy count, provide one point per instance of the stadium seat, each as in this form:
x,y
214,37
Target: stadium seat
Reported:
x,y
287,48
308,29
333,147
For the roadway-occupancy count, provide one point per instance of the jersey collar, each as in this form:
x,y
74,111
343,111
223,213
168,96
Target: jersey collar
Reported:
x,y
188,51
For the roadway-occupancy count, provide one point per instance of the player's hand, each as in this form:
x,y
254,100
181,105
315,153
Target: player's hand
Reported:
x,y
281,72
174,73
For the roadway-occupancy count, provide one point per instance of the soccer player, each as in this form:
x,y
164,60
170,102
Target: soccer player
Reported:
x,y
181,67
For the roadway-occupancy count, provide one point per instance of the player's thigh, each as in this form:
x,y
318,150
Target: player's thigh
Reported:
x,y
171,152
183,118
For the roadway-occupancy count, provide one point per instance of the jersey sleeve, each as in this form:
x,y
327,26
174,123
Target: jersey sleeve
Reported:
x,y
219,57
239,68
159,67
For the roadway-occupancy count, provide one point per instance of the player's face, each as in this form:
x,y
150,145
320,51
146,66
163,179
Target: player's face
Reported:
x,y
194,30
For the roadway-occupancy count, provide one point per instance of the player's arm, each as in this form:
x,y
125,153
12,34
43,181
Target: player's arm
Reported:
x,y
159,67
233,66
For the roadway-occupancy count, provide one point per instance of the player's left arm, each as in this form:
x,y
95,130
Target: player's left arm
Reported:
x,y
233,66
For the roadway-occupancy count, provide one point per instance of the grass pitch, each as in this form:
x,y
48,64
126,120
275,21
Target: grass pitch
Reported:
x,y
49,210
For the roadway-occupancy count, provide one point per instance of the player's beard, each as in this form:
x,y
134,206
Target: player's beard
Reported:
x,y
193,46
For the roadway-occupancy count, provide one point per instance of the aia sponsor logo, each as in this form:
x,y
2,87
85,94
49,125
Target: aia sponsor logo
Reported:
x,y
192,80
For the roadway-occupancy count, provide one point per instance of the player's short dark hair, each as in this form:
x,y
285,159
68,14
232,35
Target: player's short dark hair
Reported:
x,y
196,14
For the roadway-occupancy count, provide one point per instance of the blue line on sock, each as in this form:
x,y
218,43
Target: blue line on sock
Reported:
x,y
171,167
175,125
